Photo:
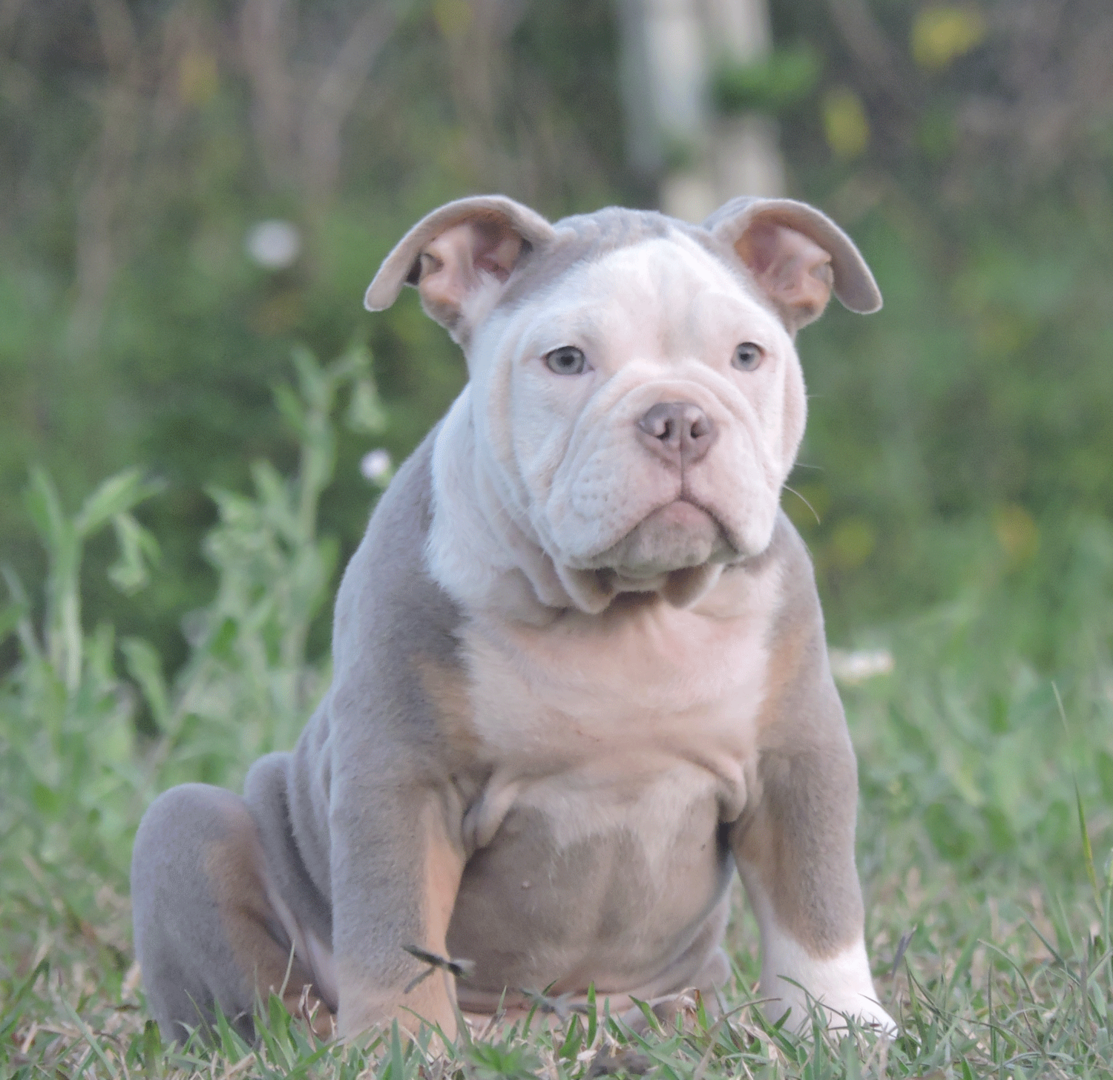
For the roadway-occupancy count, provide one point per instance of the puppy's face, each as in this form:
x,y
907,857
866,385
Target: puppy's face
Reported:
x,y
643,413
635,401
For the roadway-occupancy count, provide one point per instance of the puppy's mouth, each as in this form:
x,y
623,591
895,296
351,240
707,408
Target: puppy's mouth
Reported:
x,y
676,536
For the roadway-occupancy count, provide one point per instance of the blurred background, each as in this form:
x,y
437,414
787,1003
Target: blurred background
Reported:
x,y
196,414
189,187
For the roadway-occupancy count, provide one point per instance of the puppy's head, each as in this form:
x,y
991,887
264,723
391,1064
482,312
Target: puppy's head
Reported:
x,y
635,390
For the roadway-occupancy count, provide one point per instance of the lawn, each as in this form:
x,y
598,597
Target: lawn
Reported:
x,y
985,825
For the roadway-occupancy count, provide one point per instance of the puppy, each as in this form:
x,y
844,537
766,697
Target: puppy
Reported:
x,y
580,672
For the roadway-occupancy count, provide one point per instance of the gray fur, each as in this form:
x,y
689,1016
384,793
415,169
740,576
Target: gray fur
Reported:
x,y
182,936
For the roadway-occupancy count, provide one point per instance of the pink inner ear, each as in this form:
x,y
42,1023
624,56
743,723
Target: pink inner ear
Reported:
x,y
455,265
791,269
757,246
496,249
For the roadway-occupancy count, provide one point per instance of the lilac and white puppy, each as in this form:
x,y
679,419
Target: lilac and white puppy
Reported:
x,y
579,663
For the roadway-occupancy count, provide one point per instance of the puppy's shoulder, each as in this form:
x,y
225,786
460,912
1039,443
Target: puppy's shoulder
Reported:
x,y
388,603
797,595
802,706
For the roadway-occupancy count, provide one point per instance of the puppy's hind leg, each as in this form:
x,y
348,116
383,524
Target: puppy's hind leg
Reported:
x,y
206,935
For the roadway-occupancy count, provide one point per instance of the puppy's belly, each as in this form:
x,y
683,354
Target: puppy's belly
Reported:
x,y
583,884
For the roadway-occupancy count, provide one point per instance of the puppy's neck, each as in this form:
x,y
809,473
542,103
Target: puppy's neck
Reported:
x,y
477,549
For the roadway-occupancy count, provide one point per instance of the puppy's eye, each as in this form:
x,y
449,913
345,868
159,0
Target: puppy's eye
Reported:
x,y
567,360
747,356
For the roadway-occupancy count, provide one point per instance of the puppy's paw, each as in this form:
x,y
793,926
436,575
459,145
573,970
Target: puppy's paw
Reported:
x,y
840,986
837,1011
666,1011
307,1006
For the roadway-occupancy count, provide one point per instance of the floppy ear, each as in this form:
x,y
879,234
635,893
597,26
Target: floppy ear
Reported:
x,y
797,256
459,257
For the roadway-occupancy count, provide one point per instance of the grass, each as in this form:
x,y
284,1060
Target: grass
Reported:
x,y
985,830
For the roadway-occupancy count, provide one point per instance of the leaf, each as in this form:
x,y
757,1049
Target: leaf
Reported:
x,y
145,667
151,1046
10,618
45,510
1001,834
46,800
774,82
845,123
397,1069
314,384
1087,850
950,840
116,495
138,547
1103,761
366,414
290,405
941,33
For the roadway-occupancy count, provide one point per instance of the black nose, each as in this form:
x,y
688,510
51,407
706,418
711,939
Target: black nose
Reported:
x,y
678,431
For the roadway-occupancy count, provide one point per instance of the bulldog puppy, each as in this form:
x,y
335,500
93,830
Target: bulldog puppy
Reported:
x,y
579,662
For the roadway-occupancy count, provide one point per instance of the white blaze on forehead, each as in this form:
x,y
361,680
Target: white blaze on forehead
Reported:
x,y
662,298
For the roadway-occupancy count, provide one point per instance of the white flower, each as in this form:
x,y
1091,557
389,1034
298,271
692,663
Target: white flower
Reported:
x,y
376,465
273,244
859,665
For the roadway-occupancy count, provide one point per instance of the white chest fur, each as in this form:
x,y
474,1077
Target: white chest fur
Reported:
x,y
642,706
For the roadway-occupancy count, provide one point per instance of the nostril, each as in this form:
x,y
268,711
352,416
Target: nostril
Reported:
x,y
660,422
699,425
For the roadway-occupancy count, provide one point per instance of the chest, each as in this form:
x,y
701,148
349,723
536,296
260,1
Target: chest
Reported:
x,y
608,705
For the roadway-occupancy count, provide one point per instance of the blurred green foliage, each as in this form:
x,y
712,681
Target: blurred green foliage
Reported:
x,y
955,486
92,726
771,83
962,436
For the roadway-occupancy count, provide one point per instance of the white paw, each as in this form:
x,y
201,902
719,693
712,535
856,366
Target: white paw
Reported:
x,y
862,1009
839,985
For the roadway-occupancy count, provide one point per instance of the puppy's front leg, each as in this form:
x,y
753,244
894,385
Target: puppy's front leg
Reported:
x,y
795,852
395,875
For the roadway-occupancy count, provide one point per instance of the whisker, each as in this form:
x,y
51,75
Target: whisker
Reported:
x,y
805,502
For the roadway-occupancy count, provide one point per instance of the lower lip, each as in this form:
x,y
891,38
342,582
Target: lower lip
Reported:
x,y
682,513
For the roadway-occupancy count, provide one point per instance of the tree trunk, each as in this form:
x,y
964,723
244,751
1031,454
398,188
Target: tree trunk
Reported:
x,y
698,159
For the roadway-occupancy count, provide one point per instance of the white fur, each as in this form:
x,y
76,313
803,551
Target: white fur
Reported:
x,y
536,475
795,980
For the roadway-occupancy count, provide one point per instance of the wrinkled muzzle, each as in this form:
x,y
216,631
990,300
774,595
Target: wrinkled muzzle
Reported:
x,y
668,478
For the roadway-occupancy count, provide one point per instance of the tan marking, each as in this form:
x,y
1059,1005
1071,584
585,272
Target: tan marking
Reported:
x,y
801,710
446,688
235,867
363,1005
769,856
444,866
794,630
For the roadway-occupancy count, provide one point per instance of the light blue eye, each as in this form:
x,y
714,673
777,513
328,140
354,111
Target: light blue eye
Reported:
x,y
748,356
567,360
